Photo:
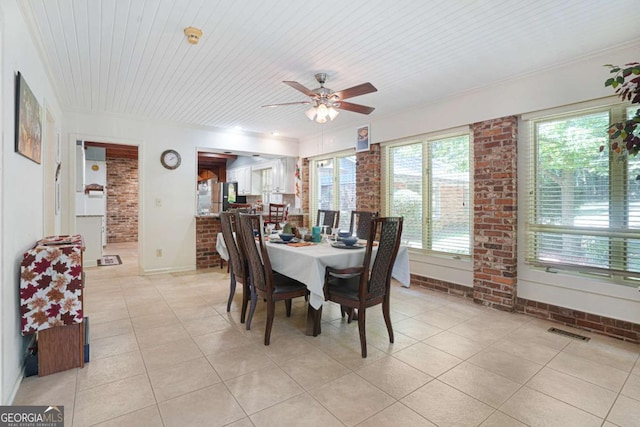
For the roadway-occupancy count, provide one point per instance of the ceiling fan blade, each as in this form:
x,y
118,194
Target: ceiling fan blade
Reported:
x,y
362,89
288,103
356,108
298,86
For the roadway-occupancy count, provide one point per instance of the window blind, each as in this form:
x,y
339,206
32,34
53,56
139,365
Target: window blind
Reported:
x,y
333,186
428,183
584,207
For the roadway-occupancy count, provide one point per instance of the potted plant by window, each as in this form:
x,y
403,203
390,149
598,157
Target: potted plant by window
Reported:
x,y
626,82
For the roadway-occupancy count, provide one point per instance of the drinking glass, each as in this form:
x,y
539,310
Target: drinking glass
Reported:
x,y
334,233
270,228
324,234
303,232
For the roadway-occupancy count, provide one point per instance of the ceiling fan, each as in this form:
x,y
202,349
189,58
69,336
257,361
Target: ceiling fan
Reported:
x,y
325,102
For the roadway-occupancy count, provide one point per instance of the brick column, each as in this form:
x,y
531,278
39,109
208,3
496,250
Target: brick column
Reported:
x,y
495,213
207,229
368,179
304,171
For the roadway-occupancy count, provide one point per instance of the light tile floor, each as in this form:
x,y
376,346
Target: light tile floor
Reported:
x,y
164,352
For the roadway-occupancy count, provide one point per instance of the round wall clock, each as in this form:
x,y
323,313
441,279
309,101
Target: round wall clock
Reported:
x,y
170,159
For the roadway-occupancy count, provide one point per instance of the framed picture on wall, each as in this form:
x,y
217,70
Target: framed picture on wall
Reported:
x,y
28,122
363,138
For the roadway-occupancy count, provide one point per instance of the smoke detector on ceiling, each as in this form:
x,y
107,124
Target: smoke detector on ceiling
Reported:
x,y
193,34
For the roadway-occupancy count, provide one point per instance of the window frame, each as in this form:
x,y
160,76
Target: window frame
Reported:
x,y
313,182
618,200
427,190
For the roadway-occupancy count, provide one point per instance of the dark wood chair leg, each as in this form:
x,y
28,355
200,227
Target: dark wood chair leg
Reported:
x,y
271,308
387,317
363,332
232,291
288,306
252,309
246,296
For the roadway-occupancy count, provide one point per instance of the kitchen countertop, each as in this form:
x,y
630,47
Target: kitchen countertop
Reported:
x,y
217,215
209,215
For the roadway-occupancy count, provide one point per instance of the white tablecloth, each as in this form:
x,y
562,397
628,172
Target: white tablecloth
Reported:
x,y
307,263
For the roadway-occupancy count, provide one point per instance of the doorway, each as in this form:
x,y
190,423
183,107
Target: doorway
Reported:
x,y
121,192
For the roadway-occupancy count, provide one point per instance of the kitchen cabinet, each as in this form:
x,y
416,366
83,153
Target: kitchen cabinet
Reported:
x,y
243,176
284,175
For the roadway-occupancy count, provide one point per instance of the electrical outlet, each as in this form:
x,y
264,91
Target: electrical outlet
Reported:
x,y
158,252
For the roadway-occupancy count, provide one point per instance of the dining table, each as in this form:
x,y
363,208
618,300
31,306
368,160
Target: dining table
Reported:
x,y
306,262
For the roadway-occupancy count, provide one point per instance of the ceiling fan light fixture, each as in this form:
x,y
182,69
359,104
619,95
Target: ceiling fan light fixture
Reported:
x,y
323,112
333,113
321,119
311,113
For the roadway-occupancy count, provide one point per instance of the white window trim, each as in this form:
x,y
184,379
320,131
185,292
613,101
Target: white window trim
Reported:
x,y
313,207
386,186
584,292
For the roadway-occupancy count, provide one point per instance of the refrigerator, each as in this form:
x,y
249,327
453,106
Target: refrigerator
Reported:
x,y
215,197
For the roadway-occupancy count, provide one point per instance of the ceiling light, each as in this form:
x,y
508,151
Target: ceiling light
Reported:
x,y
320,112
311,113
193,34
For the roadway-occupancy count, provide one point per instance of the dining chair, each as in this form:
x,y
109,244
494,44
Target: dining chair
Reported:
x,y
265,283
237,262
328,217
276,214
360,223
358,288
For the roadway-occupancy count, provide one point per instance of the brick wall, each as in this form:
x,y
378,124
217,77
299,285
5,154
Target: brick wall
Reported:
x,y
579,319
368,179
207,229
122,200
495,213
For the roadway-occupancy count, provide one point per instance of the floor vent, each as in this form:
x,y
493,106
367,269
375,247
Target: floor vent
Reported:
x,y
569,334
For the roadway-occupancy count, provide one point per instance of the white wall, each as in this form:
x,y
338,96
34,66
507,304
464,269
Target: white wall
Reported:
x,y
167,197
21,187
571,83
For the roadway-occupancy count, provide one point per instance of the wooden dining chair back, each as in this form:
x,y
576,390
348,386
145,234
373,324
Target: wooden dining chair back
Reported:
x,y
360,223
328,217
237,261
359,288
276,214
265,283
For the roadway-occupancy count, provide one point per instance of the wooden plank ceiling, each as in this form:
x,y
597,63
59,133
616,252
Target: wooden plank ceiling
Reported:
x,y
131,57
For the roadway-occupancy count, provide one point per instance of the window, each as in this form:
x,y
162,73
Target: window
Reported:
x,y
265,190
584,207
334,187
428,183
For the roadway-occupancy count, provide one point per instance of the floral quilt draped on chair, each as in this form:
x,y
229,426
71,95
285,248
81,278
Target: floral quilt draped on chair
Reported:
x,y
51,284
